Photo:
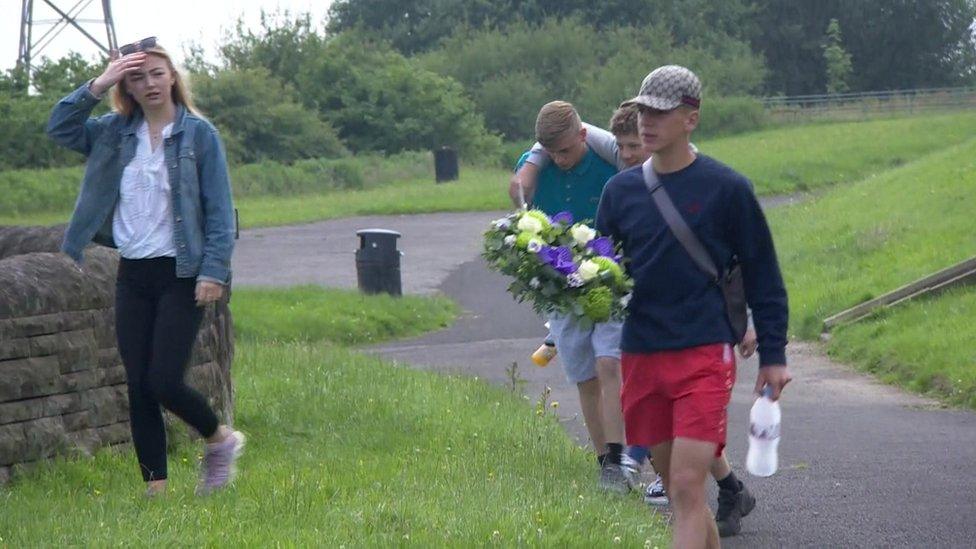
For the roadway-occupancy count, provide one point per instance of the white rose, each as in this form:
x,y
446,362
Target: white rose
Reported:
x,y
529,224
582,234
588,270
535,245
510,240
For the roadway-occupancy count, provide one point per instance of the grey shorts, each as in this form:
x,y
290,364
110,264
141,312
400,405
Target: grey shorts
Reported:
x,y
578,347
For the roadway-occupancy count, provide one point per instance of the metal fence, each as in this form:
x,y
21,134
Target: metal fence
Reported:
x,y
869,104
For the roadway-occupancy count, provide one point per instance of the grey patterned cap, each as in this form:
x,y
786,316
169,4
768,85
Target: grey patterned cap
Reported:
x,y
666,88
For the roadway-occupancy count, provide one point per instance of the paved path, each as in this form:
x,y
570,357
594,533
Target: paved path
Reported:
x,y
862,464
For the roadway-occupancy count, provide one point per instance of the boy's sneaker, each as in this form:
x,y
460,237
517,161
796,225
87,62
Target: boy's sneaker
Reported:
x,y
732,506
631,470
655,493
612,479
217,469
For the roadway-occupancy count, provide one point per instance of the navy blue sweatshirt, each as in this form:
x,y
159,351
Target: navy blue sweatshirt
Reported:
x,y
675,305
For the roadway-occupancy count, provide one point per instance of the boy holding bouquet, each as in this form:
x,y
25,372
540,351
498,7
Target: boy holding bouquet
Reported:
x,y
589,353
623,146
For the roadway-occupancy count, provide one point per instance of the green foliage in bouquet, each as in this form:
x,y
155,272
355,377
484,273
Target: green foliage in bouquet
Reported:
x,y
559,265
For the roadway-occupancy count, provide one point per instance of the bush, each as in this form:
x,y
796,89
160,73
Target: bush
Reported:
x,y
23,117
512,72
511,151
377,100
726,116
382,102
260,120
512,118
22,138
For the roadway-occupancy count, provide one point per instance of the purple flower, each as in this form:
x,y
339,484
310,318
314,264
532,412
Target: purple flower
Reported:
x,y
559,258
602,246
564,218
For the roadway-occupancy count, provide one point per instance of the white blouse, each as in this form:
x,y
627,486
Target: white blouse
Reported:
x,y
142,226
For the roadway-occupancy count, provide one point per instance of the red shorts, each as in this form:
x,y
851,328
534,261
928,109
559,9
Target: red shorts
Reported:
x,y
672,394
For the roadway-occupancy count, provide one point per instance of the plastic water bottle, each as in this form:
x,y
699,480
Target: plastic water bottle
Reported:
x,y
764,426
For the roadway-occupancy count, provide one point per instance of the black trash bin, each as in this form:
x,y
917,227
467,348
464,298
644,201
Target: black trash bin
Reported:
x,y
378,262
445,164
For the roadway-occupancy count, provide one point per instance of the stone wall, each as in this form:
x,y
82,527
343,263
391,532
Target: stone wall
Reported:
x,y
62,383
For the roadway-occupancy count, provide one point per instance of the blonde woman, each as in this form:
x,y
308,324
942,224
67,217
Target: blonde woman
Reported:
x,y
156,188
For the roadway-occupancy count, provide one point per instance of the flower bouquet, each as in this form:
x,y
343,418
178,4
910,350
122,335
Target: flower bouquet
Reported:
x,y
559,265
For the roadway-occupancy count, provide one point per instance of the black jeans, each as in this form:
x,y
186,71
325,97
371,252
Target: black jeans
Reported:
x,y
156,322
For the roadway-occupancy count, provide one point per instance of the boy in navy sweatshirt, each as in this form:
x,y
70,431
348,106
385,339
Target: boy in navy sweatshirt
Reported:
x,y
678,367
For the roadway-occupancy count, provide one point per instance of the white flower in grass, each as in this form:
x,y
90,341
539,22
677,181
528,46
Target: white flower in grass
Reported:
x,y
510,240
529,224
588,270
582,234
535,245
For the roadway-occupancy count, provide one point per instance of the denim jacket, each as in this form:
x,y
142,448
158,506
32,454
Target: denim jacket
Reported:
x,y
203,212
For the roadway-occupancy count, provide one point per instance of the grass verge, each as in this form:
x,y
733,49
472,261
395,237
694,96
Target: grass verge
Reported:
x,y
478,189
344,450
857,242
926,346
812,156
342,317
779,161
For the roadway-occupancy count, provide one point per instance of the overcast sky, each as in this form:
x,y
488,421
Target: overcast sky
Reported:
x,y
174,22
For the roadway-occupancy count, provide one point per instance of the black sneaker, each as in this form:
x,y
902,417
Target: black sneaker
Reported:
x,y
613,479
732,506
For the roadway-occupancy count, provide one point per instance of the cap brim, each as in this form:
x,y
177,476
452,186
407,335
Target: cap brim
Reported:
x,y
653,102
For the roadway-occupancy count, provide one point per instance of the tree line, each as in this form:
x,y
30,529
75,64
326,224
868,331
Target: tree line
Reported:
x,y
394,75
892,43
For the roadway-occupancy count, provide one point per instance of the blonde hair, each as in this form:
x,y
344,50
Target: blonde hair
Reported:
x,y
124,103
555,121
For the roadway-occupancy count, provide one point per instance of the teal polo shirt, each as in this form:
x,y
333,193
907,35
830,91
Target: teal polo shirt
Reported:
x,y
576,190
